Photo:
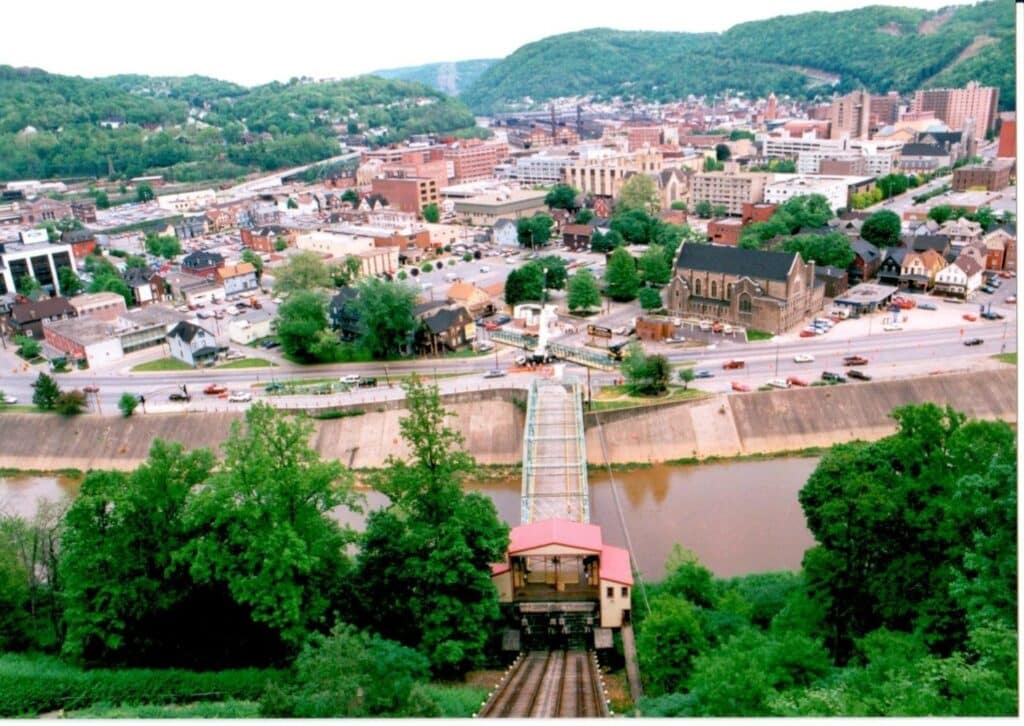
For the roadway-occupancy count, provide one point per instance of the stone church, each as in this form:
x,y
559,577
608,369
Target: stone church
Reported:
x,y
769,291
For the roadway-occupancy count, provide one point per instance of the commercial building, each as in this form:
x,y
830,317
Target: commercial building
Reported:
x,y
487,208
373,260
408,194
992,176
956,106
1007,139
729,189
725,231
99,305
473,160
540,168
41,261
837,189
187,201
770,291
602,172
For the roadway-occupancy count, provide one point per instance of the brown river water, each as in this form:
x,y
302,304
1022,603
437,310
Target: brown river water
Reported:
x,y
737,516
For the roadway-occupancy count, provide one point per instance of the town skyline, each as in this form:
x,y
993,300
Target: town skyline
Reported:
x,y
245,55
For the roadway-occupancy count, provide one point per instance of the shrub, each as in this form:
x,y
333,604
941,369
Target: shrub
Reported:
x,y
127,403
427,267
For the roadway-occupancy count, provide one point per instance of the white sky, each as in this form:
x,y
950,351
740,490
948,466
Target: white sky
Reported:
x,y
258,42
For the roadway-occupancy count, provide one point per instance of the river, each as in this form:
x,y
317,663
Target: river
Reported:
x,y
737,516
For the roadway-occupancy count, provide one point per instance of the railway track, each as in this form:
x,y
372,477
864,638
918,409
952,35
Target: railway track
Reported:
x,y
549,684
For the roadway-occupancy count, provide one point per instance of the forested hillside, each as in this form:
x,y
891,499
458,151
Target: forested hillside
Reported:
x,y
450,78
198,128
882,48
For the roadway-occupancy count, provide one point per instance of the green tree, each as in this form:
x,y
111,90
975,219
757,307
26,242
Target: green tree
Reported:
x,y
635,225
654,267
669,640
584,216
711,165
722,152
703,209
824,249
264,528
680,205
941,213
299,321
562,196
386,319
431,213
606,242
70,403
557,272
29,287
166,246
70,283
424,567
256,261
127,404
719,210
280,244
650,299
28,348
985,217
622,280
639,192
882,229
144,192
686,376
349,674
102,200
534,231
351,196
645,374
46,392
304,271
15,620
584,293
525,284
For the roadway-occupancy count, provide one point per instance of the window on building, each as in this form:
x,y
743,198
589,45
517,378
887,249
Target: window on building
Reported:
x,y
696,287
625,592
609,592
745,306
728,291
714,289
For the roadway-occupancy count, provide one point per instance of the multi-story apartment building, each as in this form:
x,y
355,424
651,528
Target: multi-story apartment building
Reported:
x,y
956,105
602,172
409,194
728,189
885,110
542,168
473,160
850,115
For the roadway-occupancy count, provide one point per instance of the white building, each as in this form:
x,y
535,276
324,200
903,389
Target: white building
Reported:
x,y
836,189
191,344
961,277
338,247
187,201
540,168
40,261
251,326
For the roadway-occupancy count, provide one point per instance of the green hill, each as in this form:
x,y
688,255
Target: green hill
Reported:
x,y
881,48
450,78
198,128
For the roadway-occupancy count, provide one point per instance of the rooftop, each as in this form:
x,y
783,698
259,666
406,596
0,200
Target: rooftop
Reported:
x,y
736,261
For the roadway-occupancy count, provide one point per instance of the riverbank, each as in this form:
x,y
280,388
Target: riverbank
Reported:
x,y
491,422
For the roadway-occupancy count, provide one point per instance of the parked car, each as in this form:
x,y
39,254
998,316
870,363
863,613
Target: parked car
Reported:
x,y
492,325
717,328
833,377
903,303
733,364
778,383
973,341
705,325
213,389
368,382
179,396
796,381
1012,300
91,389
269,343
240,397
351,378
494,373
889,327
859,375
484,346
803,358
855,360
8,399
987,289
990,315
970,318
807,333
741,387
927,306
703,373
274,387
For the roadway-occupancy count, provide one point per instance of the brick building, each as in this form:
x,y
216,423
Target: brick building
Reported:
x,y
725,231
474,160
408,194
730,190
991,177
956,105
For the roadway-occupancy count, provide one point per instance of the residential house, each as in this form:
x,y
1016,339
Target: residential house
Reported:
x,y
959,278
577,237
81,241
238,279
250,326
976,252
191,289
344,314
891,266
836,281
191,227
770,291
865,261
146,286
264,239
937,242
996,243
192,344
920,268
471,297
505,233
202,263
445,329
961,232
27,318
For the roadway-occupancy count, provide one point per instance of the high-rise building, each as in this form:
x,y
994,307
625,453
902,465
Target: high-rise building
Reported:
x,y
886,109
955,105
850,115
771,111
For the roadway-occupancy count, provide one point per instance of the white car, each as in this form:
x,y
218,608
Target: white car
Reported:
x,y
485,269
351,378
803,358
778,383
8,399
240,397
891,326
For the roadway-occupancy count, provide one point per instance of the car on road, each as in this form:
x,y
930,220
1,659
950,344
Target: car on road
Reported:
x,y
274,387
927,306
494,373
350,379
741,387
859,375
703,373
989,315
269,343
855,360
973,341
832,377
485,268
733,364
91,389
803,358
778,383
675,340
368,382
214,390
1012,300
717,327
8,399
240,397
987,289
179,396
484,345
796,381
807,333
889,327
970,318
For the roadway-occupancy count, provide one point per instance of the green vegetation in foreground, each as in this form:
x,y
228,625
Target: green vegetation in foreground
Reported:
x,y
19,408
612,398
456,700
906,605
200,709
162,365
70,473
809,452
1010,358
753,335
247,363
345,413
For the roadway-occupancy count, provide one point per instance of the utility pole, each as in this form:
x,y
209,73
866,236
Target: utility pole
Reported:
x,y
776,360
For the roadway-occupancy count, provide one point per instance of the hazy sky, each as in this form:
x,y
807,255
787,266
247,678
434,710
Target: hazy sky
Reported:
x,y
259,42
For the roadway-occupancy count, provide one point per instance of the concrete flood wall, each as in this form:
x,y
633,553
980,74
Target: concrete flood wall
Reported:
x,y
491,423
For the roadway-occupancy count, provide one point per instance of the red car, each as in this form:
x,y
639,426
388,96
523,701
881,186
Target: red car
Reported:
x,y
970,317
716,328
807,334
491,326
903,303
213,389
732,364
794,381
855,360
91,389
741,387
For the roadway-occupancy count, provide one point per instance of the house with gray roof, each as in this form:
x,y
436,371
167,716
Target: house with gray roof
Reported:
x,y
192,344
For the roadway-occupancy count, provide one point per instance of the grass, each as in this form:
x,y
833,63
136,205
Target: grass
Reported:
x,y
787,454
328,415
457,700
612,398
753,335
201,709
468,353
246,363
1010,358
161,366
19,408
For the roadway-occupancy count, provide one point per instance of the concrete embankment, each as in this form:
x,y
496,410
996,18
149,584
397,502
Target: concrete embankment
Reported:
x,y
492,424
